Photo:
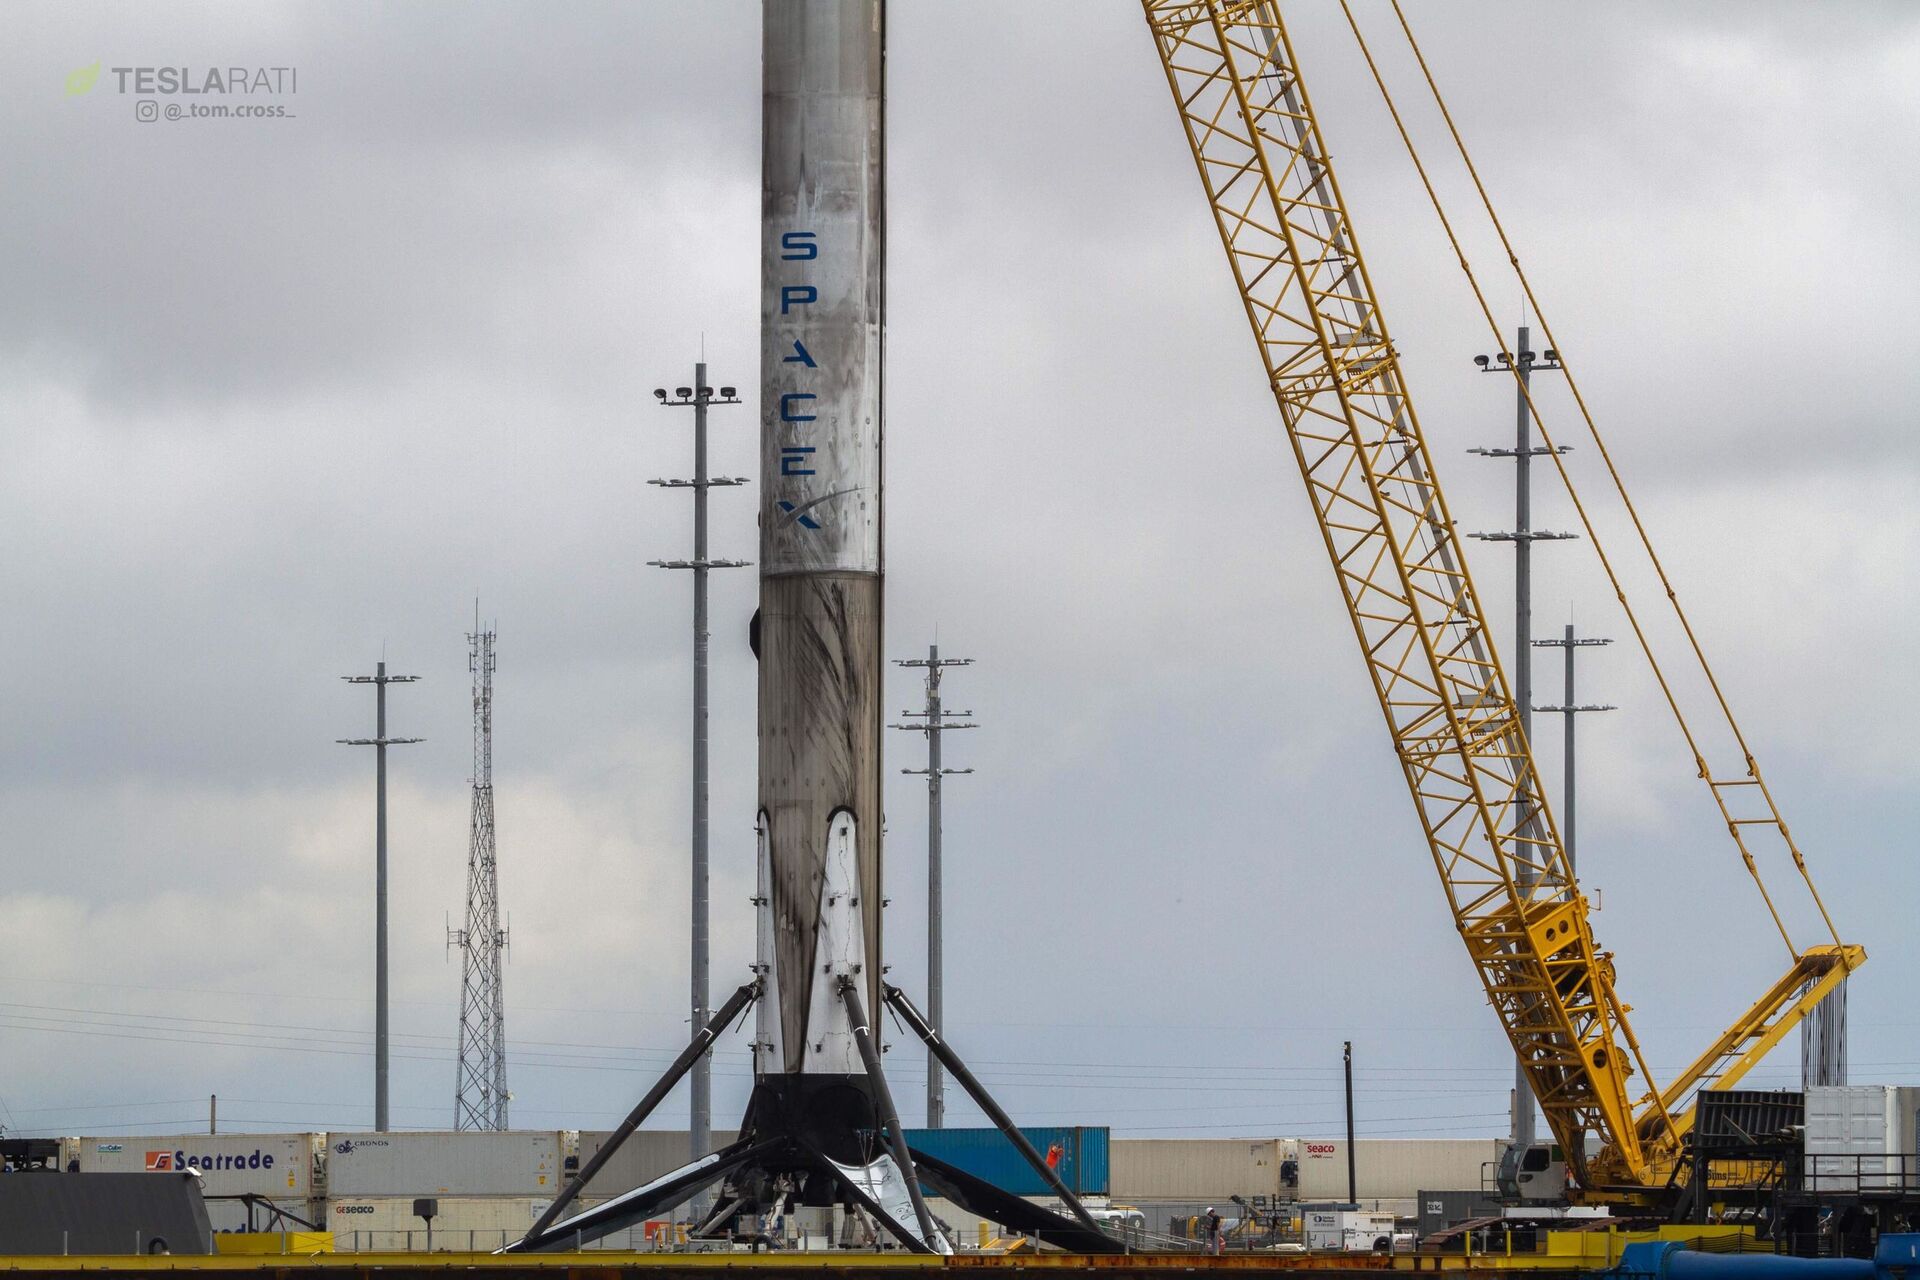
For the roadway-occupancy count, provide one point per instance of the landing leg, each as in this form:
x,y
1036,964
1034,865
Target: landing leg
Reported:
x,y
662,1087
1093,1240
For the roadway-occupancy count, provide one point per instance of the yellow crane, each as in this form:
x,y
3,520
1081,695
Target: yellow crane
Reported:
x,y
1336,377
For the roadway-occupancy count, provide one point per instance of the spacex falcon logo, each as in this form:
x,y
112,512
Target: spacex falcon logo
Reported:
x,y
798,514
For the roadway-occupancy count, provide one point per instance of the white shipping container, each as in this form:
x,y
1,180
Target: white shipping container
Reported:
x,y
648,1154
267,1164
387,1224
1194,1168
509,1163
1212,1169
231,1215
1392,1168
1863,1137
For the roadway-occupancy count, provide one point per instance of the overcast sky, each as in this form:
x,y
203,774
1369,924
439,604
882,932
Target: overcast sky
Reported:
x,y
284,395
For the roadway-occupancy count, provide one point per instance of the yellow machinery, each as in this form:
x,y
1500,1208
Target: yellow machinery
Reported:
x,y
1420,624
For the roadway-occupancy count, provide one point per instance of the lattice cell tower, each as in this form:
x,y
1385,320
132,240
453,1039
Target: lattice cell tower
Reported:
x,y
480,1085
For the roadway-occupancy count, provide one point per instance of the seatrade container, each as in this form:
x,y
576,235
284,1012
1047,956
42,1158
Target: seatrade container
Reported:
x,y
279,1165
506,1163
1079,1154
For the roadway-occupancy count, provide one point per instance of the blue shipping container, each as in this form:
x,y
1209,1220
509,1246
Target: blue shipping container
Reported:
x,y
1082,1159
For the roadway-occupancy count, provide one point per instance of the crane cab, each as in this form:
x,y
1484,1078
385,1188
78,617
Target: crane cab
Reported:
x,y
1533,1175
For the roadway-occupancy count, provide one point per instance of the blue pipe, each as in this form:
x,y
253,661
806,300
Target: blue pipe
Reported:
x,y
1898,1256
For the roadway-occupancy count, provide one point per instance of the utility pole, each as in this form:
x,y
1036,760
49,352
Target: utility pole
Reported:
x,y
699,396
1353,1181
379,742
935,724
480,1072
1522,364
1571,711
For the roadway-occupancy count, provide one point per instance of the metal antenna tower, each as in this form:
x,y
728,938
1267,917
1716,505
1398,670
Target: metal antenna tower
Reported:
x,y
1571,711
1523,535
480,1076
699,396
935,724
379,742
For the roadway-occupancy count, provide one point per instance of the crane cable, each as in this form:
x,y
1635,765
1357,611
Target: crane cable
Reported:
x,y
1753,767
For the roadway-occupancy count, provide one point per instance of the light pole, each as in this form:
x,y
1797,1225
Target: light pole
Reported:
x,y
379,742
1571,711
935,724
699,396
1521,365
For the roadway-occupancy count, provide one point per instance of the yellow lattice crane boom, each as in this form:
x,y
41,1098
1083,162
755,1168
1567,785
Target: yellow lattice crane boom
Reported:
x,y
1336,377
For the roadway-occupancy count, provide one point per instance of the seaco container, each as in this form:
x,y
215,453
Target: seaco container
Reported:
x,y
506,1163
388,1224
279,1165
1079,1154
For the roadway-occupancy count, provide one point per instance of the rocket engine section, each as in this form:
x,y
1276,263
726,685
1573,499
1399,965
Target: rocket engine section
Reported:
x,y
823,250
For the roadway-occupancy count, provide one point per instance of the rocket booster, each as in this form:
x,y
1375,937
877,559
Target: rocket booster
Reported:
x,y
820,1113
823,243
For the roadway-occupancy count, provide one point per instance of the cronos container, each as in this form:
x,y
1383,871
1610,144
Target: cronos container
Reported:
x,y
511,1163
279,1165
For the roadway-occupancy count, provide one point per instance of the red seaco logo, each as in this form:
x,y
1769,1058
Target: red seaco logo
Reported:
x,y
160,1162
1319,1150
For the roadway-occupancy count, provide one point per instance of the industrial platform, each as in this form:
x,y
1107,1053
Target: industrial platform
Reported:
x,y
603,1266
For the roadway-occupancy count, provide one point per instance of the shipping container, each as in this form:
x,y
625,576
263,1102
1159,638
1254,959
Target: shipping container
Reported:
x,y
1079,1154
1863,1137
648,1154
230,1216
1182,1169
280,1165
1196,1169
1392,1168
508,1163
388,1224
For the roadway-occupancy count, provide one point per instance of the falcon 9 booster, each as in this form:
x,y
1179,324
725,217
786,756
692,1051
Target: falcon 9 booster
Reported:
x,y
821,1140
822,299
